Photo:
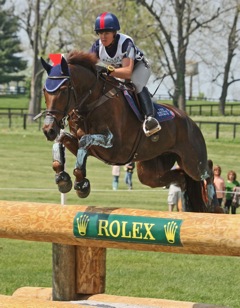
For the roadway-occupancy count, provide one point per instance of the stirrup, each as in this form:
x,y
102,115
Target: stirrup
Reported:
x,y
154,130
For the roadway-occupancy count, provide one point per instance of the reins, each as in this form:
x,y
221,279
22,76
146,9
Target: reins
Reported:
x,y
76,111
116,83
71,87
116,88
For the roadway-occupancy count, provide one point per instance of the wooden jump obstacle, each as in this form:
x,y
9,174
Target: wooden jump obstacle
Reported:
x,y
200,233
81,235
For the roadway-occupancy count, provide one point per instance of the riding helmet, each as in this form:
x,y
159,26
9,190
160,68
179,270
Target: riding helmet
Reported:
x,y
107,21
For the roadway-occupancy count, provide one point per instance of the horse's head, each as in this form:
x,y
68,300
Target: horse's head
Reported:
x,y
58,98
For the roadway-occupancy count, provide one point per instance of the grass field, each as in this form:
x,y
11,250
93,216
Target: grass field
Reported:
x,y
26,175
15,122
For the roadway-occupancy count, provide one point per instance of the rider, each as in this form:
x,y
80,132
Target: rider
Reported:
x,y
125,61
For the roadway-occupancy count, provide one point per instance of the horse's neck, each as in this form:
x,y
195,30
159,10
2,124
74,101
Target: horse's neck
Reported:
x,y
85,85
92,82
93,91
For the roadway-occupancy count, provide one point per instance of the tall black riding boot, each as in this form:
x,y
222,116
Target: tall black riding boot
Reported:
x,y
150,125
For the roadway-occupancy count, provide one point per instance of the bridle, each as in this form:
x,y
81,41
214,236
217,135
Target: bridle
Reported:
x,y
50,115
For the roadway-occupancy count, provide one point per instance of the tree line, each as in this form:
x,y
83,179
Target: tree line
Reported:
x,y
172,33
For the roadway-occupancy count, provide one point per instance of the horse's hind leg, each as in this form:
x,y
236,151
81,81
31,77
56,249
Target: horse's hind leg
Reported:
x,y
157,172
212,201
194,162
205,173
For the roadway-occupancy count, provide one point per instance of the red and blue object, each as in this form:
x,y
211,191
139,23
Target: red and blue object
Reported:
x,y
55,58
57,73
107,22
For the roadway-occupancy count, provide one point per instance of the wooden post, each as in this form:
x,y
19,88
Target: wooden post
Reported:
x,y
234,130
63,278
63,267
90,270
25,121
190,87
217,130
77,271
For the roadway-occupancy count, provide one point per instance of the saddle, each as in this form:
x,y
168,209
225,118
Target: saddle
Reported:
x,y
128,89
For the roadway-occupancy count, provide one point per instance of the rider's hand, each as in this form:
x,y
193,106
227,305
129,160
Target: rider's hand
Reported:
x,y
110,69
107,69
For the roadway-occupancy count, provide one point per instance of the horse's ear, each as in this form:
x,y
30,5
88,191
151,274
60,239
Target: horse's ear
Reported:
x,y
46,66
64,67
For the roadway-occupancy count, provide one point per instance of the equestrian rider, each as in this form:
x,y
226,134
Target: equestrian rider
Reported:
x,y
126,61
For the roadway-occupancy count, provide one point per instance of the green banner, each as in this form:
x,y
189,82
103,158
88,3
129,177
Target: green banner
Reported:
x,y
124,228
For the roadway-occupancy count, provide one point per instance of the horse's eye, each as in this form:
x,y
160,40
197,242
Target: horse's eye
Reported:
x,y
64,90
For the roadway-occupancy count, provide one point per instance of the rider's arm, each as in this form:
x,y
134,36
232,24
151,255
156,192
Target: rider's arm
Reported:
x,y
124,72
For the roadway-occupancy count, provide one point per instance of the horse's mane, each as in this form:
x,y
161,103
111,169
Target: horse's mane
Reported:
x,y
88,60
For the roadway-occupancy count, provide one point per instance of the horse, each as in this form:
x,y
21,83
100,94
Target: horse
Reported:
x,y
103,124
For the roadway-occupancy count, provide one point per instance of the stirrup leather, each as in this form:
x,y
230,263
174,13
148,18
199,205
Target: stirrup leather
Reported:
x,y
155,129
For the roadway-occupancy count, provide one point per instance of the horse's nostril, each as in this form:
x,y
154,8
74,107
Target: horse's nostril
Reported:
x,y
51,132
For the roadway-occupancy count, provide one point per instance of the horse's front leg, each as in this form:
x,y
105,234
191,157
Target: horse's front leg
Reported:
x,y
82,184
62,178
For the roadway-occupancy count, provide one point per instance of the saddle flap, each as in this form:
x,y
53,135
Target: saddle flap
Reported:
x,y
162,113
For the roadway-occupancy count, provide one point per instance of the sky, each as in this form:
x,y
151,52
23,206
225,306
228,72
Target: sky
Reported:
x,y
201,82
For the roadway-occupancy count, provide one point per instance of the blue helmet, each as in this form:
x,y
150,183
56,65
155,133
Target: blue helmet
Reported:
x,y
107,21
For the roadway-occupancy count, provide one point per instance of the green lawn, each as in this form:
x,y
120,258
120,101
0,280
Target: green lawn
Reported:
x,y
26,175
14,101
16,122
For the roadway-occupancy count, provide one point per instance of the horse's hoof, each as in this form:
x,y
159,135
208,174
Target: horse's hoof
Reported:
x,y
64,182
82,188
65,187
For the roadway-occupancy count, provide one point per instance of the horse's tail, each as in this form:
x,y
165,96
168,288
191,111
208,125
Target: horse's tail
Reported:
x,y
195,196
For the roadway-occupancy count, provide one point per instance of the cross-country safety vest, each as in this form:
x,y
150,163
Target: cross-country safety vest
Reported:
x,y
116,61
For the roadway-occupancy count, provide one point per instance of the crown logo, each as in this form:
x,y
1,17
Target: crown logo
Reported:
x,y
82,224
170,231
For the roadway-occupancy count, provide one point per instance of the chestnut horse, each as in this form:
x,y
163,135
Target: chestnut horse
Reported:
x,y
102,124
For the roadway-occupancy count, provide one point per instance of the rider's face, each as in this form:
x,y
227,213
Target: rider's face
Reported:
x,y
106,38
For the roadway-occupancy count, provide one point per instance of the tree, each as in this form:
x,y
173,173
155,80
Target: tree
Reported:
x,y
175,23
233,40
229,76
10,63
77,24
60,26
40,20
